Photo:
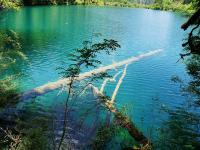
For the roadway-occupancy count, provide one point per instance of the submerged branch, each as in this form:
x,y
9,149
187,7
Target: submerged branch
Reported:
x,y
122,120
57,84
118,84
108,79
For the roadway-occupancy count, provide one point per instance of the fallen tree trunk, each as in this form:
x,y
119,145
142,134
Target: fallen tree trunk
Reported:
x,y
62,82
122,120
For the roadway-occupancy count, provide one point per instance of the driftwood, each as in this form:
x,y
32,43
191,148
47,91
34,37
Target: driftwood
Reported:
x,y
63,82
122,120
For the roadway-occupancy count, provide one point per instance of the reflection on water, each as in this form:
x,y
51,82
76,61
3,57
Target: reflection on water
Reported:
x,y
49,34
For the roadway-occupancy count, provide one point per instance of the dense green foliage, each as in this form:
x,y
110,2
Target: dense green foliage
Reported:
x,y
47,2
9,4
185,6
10,53
173,5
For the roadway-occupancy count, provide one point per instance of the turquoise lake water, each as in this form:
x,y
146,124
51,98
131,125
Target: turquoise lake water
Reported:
x,y
49,34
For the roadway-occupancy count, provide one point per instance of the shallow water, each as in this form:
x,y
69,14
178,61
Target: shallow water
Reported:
x,y
49,34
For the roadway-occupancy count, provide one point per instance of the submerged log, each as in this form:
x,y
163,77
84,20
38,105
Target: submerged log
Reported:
x,y
63,82
122,120
118,84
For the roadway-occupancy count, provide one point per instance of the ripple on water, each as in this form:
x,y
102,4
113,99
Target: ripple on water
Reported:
x,y
47,40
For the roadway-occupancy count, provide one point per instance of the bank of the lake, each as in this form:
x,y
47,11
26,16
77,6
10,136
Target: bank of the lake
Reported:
x,y
177,6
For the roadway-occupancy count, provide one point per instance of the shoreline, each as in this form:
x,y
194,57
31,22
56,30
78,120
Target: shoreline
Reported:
x,y
185,9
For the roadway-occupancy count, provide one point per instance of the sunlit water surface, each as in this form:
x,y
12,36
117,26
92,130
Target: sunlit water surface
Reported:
x,y
49,34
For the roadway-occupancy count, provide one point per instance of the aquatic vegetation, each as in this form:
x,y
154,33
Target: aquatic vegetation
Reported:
x,y
180,131
114,137
33,140
117,134
103,136
35,130
122,119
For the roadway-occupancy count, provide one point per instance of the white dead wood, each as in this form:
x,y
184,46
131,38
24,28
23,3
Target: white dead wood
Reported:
x,y
63,82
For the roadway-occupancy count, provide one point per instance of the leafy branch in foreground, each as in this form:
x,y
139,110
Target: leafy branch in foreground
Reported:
x,y
85,57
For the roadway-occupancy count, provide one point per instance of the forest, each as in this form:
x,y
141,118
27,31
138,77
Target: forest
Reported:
x,y
100,74
185,6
